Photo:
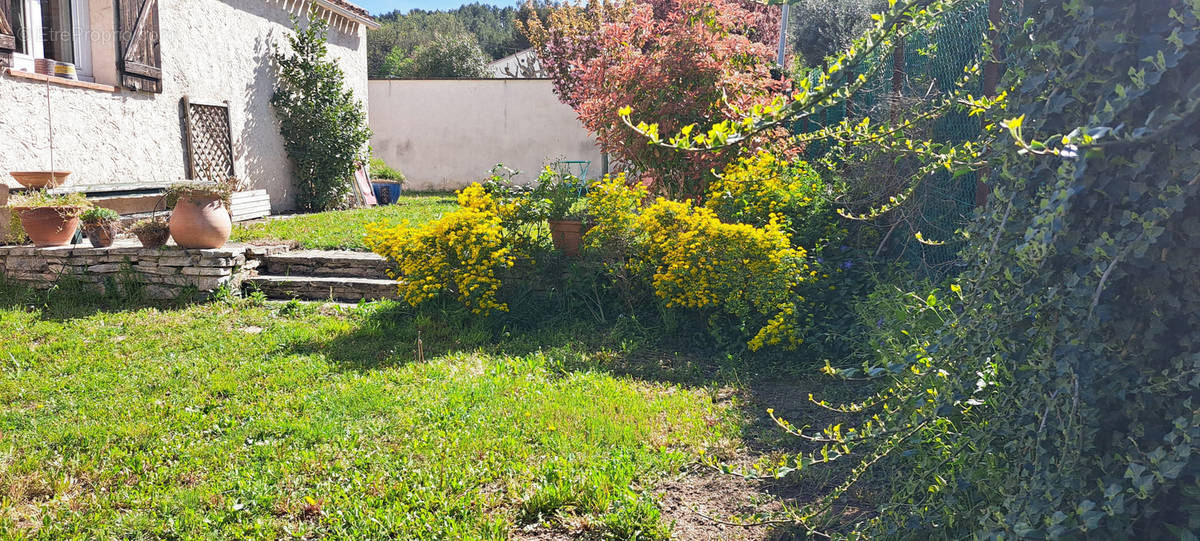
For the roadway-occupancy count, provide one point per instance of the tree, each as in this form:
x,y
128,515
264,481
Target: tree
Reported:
x,y
821,28
447,56
406,33
687,62
493,28
323,124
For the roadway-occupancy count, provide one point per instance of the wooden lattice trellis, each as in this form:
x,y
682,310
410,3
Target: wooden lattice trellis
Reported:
x,y
209,141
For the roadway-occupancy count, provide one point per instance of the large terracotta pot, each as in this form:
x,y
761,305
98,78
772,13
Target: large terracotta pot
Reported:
x,y
49,226
101,235
200,223
567,235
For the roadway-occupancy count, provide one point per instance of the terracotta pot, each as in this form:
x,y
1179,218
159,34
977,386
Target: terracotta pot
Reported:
x,y
49,226
41,179
101,235
567,235
153,239
200,223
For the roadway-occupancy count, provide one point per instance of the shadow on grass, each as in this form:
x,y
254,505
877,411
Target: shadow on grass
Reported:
x,y
70,299
386,334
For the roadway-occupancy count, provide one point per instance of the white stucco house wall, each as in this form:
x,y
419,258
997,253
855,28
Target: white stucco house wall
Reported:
x,y
124,123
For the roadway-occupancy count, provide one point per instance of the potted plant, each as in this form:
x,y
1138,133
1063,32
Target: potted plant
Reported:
x,y
200,219
49,220
560,196
101,226
387,182
152,232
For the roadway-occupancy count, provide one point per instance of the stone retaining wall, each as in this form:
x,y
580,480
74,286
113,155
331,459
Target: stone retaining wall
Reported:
x,y
162,273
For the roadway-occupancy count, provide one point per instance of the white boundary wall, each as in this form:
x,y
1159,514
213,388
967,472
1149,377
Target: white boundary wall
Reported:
x,y
444,134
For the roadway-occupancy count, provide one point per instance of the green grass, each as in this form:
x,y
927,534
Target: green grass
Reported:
x,y
243,419
343,229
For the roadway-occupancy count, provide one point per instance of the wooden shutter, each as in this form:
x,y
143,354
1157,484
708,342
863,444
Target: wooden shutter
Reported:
x,y
8,38
141,59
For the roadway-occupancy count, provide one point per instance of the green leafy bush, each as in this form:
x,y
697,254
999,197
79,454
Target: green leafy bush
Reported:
x,y
1051,392
324,126
449,56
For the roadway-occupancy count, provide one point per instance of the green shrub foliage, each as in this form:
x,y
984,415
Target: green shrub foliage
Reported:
x,y
324,126
1059,397
450,56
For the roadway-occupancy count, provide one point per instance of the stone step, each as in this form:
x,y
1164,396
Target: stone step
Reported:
x,y
327,263
322,287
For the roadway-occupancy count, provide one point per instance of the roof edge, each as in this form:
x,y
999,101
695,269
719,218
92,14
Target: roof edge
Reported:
x,y
351,11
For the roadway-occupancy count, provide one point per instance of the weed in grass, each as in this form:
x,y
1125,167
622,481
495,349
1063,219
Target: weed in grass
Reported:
x,y
635,518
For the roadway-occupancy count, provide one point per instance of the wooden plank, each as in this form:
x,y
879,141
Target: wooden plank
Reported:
x,y
141,57
138,68
250,201
252,194
249,209
254,216
7,36
187,136
59,81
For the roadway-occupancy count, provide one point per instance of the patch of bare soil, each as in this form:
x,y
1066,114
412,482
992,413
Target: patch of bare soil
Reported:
x,y
705,504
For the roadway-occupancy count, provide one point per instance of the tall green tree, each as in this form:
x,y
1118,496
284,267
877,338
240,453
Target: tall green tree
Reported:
x,y
455,56
493,29
323,124
821,28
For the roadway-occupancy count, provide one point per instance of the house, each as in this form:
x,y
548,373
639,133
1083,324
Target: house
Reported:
x,y
167,90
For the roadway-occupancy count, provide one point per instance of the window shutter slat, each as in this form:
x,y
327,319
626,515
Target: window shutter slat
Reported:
x,y
8,38
141,58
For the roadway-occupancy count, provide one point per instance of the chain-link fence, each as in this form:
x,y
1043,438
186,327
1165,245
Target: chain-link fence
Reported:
x,y
902,81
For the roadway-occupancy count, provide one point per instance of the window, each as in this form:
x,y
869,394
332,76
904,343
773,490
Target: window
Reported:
x,y
52,29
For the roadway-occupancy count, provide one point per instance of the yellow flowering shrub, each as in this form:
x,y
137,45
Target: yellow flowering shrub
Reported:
x,y
763,187
462,253
614,206
747,272
691,259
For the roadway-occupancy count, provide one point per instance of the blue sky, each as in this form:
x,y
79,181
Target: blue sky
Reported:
x,y
379,7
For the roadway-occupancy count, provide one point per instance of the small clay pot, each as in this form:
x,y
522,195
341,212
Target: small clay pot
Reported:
x,y
49,226
154,238
567,235
101,235
200,223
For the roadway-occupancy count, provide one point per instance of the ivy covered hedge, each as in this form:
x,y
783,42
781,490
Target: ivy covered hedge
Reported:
x,y
1061,399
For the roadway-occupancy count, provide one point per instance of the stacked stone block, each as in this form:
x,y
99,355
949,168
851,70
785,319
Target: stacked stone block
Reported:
x,y
163,273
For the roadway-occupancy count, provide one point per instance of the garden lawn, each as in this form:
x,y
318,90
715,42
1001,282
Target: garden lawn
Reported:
x,y
244,419
343,229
